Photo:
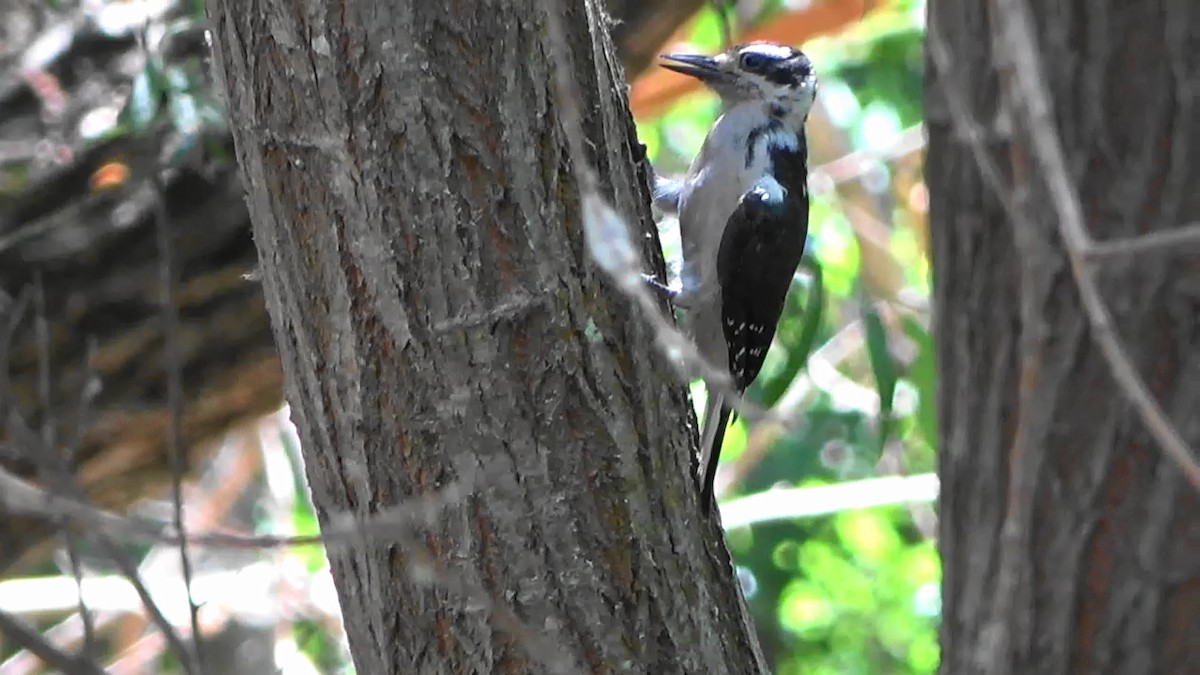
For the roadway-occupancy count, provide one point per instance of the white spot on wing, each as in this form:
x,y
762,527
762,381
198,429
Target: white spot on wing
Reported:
x,y
769,189
782,138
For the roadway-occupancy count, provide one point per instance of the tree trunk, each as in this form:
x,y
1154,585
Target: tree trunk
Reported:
x,y
95,254
1068,539
437,316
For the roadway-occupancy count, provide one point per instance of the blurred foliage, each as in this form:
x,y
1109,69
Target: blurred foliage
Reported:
x,y
856,592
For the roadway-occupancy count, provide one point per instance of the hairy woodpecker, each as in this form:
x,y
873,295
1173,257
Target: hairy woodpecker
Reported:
x,y
743,215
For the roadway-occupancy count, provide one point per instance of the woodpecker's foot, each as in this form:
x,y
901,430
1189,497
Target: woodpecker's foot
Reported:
x,y
666,193
659,287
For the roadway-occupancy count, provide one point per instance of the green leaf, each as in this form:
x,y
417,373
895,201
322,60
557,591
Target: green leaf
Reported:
x,y
813,309
870,534
142,106
185,113
799,345
706,35
923,374
833,239
883,367
146,97
158,77
651,137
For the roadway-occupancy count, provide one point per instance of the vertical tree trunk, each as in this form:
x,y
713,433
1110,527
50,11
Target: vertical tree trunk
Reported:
x,y
1098,574
97,260
437,315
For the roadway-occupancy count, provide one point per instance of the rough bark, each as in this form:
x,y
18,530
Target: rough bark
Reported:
x,y
95,254
419,227
1099,574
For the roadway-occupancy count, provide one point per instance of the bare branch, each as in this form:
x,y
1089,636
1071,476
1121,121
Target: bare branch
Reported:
x,y
964,122
1162,241
176,452
1032,99
62,459
789,504
19,496
29,638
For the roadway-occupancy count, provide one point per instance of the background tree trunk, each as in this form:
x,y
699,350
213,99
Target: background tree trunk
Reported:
x,y
436,314
1099,575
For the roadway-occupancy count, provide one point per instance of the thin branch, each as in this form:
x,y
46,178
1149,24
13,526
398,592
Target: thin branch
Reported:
x,y
964,122
1162,241
1033,100
58,468
807,502
64,635
858,163
20,497
25,636
176,449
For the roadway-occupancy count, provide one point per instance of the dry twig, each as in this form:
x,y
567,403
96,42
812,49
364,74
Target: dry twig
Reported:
x,y
1032,99
1162,241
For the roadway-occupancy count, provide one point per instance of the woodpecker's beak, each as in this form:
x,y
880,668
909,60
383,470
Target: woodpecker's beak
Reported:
x,y
703,68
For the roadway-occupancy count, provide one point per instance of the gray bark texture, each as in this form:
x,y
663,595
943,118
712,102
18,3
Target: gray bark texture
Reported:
x,y
437,315
1099,573
94,255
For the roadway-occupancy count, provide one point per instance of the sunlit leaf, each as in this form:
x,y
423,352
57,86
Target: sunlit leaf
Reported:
x,y
923,374
921,565
843,581
650,137
840,102
880,126
787,555
796,345
869,534
835,245
923,652
689,123
804,607
144,100
706,35
735,441
813,309
908,251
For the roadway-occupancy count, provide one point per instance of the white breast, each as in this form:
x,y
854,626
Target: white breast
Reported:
x,y
714,184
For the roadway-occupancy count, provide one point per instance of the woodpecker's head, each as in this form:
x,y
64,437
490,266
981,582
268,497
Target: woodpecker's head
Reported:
x,y
779,77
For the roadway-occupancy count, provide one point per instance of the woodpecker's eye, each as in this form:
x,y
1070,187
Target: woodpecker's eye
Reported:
x,y
754,61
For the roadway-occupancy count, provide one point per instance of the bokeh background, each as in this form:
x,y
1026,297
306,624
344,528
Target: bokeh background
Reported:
x,y
835,585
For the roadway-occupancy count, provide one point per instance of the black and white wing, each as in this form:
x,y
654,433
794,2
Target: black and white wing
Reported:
x,y
759,253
